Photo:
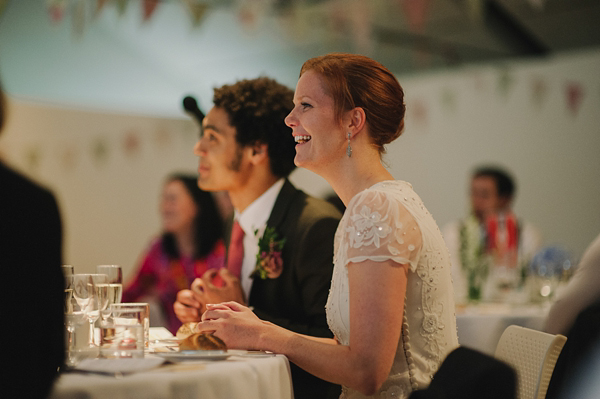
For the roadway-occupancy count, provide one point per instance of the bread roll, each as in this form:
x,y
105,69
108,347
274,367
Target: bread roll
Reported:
x,y
202,341
185,330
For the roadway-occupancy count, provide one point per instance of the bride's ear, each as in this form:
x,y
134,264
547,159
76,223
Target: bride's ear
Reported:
x,y
356,120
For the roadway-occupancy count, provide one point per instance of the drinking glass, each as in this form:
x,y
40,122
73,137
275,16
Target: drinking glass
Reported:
x,y
115,286
132,313
74,317
68,270
91,294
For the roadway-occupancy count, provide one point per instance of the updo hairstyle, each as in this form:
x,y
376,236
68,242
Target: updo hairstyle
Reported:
x,y
358,81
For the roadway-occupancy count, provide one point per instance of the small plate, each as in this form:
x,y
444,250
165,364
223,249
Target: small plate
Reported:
x,y
194,355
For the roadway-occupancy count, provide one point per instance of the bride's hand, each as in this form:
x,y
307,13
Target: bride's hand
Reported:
x,y
235,324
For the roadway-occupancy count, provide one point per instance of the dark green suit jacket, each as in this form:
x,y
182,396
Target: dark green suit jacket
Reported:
x,y
296,299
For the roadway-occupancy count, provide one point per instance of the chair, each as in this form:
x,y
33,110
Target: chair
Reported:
x,y
533,355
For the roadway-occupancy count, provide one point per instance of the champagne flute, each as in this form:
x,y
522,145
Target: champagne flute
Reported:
x,y
115,286
90,292
68,270
74,317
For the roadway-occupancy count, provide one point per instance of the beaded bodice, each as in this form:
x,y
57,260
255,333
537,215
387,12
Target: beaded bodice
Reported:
x,y
388,221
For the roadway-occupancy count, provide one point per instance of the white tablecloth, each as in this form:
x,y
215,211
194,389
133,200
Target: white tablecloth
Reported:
x,y
480,326
266,377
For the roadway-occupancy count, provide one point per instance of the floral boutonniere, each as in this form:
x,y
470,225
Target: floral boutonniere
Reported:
x,y
268,260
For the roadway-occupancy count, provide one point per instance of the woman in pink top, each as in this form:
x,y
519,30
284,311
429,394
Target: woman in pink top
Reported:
x,y
191,243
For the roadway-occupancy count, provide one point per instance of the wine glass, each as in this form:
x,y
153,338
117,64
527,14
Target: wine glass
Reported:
x,y
74,317
115,286
68,270
91,293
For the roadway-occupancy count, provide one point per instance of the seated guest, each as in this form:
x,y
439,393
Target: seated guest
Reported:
x,y
33,294
390,306
491,246
191,244
246,149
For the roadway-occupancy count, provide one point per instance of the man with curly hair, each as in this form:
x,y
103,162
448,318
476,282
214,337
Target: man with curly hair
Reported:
x,y
246,149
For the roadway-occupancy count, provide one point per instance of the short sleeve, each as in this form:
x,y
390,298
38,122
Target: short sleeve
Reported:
x,y
379,228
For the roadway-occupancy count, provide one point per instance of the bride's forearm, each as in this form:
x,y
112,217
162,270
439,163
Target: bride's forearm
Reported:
x,y
322,357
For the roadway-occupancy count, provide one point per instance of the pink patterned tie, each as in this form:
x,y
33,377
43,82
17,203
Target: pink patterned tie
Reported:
x,y
235,254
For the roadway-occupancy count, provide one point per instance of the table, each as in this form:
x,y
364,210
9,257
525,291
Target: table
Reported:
x,y
250,376
480,326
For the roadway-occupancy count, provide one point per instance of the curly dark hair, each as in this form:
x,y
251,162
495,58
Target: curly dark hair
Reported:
x,y
205,237
257,109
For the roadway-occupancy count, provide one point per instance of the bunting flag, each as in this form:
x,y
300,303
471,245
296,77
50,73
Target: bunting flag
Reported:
x,y
99,6
78,18
337,20
148,8
131,143
56,10
122,6
3,4
251,13
197,11
418,112
416,13
475,10
449,99
574,94
99,150
539,90
361,26
505,82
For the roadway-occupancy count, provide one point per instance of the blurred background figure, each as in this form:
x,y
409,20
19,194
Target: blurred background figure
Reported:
x,y
576,314
190,244
32,298
582,290
491,247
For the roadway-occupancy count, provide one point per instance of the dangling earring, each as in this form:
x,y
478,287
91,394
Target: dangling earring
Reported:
x,y
349,148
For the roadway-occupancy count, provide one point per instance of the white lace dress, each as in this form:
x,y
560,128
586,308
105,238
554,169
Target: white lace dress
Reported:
x,y
389,221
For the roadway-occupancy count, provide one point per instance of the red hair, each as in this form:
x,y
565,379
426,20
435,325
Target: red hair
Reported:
x,y
358,81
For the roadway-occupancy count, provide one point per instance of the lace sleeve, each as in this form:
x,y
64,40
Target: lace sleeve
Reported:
x,y
379,228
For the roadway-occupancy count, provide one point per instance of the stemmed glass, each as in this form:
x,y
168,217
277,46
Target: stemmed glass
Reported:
x,y
91,293
73,317
115,286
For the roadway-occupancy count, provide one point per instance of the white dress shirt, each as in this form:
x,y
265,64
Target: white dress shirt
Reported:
x,y
254,218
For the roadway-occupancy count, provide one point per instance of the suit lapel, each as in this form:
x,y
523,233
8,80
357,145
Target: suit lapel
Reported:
x,y
280,208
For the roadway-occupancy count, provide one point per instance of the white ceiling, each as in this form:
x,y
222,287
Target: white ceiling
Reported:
x,y
120,62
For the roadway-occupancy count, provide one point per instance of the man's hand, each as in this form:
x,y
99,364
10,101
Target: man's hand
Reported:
x,y
187,307
206,292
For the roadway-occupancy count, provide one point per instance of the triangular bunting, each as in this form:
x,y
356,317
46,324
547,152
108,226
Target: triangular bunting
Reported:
x,y
122,6
196,10
78,18
505,82
3,4
56,10
574,94
149,6
416,13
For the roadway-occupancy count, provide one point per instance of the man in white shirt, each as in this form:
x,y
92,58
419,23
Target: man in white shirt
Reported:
x,y
247,150
492,231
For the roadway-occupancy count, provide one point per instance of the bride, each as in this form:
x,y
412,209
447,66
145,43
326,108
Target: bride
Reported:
x,y
391,304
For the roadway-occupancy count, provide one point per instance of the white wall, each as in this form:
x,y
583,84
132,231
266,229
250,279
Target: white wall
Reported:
x,y
456,119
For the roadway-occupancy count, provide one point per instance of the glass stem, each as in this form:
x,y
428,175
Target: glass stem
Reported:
x,y
91,335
